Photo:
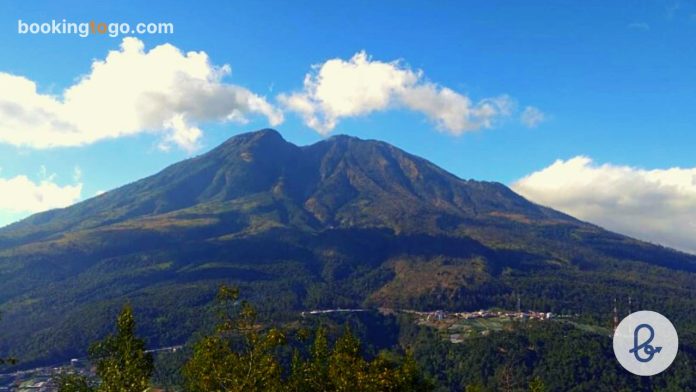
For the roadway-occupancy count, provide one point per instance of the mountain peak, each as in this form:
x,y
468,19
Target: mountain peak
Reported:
x,y
262,135
265,133
343,136
340,181
257,143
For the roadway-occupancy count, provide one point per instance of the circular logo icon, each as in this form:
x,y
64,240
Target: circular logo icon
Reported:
x,y
645,343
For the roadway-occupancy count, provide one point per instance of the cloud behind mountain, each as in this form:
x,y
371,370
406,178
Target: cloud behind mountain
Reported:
x,y
654,205
131,91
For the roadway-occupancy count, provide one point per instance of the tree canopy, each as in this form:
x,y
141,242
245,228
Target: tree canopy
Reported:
x,y
242,356
121,361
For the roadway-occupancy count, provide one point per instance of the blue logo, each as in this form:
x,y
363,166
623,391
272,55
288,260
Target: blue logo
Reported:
x,y
646,347
645,343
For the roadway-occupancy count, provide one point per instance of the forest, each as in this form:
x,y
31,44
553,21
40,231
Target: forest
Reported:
x,y
242,350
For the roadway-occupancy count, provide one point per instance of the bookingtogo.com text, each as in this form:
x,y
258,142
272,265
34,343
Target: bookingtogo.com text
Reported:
x,y
85,29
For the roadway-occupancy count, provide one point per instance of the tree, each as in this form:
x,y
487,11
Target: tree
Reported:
x,y
121,361
474,388
241,356
343,368
537,385
167,374
238,356
75,383
311,374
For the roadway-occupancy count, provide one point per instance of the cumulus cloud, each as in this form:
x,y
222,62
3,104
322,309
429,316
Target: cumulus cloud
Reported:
x,y
531,117
360,86
22,195
131,91
654,205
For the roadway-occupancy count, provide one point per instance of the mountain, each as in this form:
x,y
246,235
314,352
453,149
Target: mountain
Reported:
x,y
343,222
342,181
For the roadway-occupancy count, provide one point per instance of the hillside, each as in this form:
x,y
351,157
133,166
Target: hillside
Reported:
x,y
343,222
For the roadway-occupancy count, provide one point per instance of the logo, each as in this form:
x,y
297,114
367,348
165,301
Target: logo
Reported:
x,y
645,343
650,351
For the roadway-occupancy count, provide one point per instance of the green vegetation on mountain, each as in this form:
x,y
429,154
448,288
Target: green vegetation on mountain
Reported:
x,y
555,354
341,223
7,361
242,355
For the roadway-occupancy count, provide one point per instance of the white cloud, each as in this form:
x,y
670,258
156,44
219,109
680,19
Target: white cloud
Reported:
x,y
22,195
531,117
131,91
654,205
338,89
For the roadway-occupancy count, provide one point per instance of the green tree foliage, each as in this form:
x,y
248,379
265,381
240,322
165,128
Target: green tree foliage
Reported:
x,y
121,361
168,364
542,356
241,356
76,383
343,368
238,356
537,385
122,365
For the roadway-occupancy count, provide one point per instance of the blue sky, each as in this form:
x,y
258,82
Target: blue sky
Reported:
x,y
614,80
